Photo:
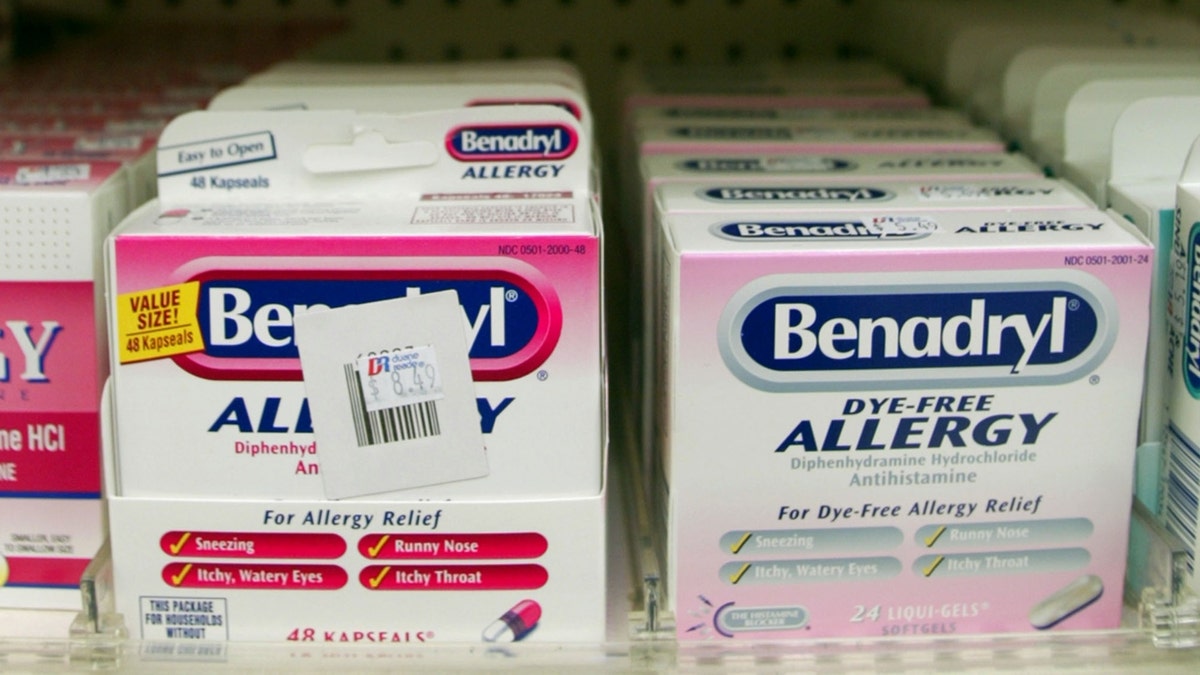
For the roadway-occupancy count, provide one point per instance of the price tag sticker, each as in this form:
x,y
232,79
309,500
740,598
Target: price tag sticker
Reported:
x,y
903,226
392,399
400,377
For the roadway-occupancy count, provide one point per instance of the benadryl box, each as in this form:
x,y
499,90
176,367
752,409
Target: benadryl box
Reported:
x,y
899,424
358,381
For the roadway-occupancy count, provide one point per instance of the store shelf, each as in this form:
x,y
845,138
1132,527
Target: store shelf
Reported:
x,y
601,37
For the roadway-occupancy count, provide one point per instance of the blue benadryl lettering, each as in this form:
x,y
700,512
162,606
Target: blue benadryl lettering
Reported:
x,y
843,229
277,416
517,141
796,194
513,171
251,318
798,338
900,331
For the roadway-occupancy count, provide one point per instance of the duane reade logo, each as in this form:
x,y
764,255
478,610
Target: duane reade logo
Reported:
x,y
842,229
796,194
511,142
791,334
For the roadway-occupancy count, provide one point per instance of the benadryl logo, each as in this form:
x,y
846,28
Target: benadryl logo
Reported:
x,y
807,194
723,133
883,227
511,142
783,164
1191,345
841,229
247,318
791,333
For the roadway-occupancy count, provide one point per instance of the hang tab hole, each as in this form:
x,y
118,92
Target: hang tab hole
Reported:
x,y
370,151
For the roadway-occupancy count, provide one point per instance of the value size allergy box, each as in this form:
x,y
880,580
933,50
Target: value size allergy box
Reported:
x,y
884,431
223,523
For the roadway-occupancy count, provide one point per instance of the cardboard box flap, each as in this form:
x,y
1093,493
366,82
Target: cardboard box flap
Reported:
x,y
1152,137
402,98
322,156
1044,126
1028,70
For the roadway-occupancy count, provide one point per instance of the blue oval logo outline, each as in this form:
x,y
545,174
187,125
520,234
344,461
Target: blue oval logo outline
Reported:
x,y
792,231
749,370
511,142
804,194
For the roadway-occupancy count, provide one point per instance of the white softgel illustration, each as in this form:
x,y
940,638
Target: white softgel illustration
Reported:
x,y
1066,601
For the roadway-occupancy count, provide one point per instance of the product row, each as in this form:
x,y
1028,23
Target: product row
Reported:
x,y
333,352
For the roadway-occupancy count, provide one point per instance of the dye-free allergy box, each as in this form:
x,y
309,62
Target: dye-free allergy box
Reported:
x,y
358,383
53,362
899,424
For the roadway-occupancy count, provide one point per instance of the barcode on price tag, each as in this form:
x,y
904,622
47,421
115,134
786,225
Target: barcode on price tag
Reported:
x,y
394,395
392,399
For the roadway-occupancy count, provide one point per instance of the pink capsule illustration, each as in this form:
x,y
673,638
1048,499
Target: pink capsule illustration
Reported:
x,y
515,624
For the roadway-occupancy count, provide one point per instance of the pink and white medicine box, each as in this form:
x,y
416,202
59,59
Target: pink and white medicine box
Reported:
x,y
53,361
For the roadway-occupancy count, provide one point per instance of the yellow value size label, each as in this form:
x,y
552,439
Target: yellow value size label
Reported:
x,y
158,322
